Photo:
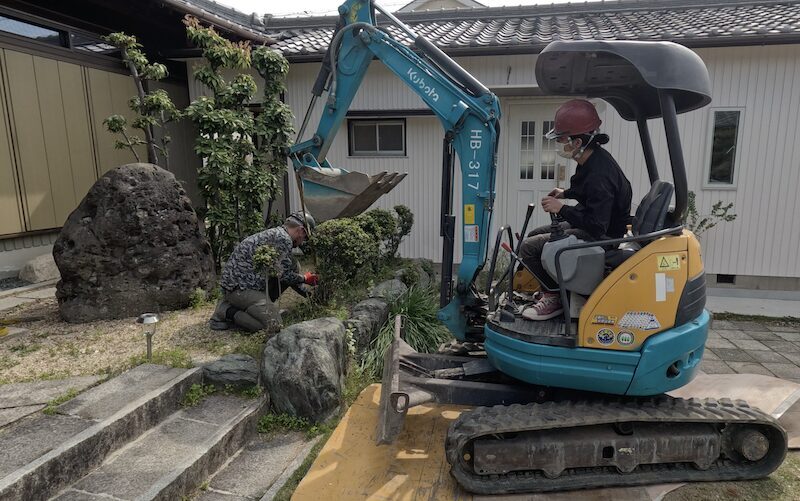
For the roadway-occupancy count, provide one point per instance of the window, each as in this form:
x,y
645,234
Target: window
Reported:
x,y
548,152
377,137
32,31
724,145
94,44
527,143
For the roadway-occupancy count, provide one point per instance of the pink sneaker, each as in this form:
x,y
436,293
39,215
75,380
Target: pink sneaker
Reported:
x,y
549,306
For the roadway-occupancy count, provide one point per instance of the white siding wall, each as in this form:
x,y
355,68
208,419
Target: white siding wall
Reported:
x,y
764,81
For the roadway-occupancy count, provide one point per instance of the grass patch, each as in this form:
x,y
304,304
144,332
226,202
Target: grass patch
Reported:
x,y
269,424
196,394
784,483
781,321
252,345
7,362
174,357
24,349
249,392
198,298
421,330
50,409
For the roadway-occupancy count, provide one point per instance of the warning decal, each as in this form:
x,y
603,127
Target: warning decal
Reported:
x,y
469,214
471,233
668,262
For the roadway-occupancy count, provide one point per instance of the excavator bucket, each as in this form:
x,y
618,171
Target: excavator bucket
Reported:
x,y
330,193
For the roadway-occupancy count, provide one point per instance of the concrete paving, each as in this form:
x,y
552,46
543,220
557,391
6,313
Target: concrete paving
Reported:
x,y
752,348
261,467
754,306
43,453
22,399
175,456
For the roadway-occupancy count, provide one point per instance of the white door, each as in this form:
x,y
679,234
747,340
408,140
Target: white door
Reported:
x,y
534,168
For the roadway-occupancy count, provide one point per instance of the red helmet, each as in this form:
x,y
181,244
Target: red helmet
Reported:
x,y
575,117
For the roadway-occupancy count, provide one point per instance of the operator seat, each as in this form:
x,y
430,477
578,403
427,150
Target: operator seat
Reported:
x,y
651,215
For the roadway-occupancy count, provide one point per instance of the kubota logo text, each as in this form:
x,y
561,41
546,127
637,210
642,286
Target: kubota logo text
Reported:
x,y
417,80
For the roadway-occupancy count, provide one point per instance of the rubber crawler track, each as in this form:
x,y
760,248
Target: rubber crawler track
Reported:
x,y
554,415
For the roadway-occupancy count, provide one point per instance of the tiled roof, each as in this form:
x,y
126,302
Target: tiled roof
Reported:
x,y
527,29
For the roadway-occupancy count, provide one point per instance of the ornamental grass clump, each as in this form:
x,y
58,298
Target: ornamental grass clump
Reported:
x,y
421,329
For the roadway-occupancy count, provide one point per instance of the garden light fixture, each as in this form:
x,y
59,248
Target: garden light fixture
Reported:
x,y
148,321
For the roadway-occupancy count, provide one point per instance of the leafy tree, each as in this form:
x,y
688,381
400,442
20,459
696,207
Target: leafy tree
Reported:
x,y
153,109
699,224
273,125
243,155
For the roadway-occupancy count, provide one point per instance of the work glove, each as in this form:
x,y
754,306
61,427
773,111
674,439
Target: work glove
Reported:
x,y
311,278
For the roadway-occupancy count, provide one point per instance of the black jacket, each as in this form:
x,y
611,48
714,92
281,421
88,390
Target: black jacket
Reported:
x,y
603,194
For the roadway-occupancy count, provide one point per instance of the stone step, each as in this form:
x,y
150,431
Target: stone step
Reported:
x,y
259,469
174,458
42,454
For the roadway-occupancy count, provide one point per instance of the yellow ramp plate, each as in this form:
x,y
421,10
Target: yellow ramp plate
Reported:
x,y
351,466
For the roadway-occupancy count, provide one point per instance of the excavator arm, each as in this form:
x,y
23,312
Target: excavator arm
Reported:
x,y
468,112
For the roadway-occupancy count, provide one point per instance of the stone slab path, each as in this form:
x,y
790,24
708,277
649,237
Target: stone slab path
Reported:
x,y
20,399
752,348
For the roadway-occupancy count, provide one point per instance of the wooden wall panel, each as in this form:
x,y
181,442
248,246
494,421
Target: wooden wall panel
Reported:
x,y
109,94
10,209
30,141
79,132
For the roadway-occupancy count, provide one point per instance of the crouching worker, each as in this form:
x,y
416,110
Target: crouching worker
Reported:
x,y
600,187
244,301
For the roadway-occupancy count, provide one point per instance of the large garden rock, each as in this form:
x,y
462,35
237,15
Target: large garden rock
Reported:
x,y
366,321
236,370
39,269
134,244
390,290
304,367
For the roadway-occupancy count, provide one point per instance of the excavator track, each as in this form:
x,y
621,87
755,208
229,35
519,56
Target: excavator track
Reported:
x,y
555,446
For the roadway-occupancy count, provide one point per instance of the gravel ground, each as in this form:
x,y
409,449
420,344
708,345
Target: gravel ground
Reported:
x,y
54,349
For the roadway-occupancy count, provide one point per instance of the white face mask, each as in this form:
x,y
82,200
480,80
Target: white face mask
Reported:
x,y
570,154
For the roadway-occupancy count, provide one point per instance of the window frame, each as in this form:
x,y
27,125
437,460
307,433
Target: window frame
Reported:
x,y
352,152
63,53
733,185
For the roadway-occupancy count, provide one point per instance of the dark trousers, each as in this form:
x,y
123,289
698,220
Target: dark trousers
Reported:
x,y
531,251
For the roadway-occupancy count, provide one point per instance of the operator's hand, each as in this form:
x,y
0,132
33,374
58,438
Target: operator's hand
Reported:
x,y
556,193
550,204
311,278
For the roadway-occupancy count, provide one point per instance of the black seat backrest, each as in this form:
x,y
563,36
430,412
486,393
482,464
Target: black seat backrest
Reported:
x,y
651,215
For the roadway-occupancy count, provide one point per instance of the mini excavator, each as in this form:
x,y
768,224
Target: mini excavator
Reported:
x,y
573,402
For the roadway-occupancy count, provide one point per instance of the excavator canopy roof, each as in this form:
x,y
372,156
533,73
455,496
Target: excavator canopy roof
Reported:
x,y
626,74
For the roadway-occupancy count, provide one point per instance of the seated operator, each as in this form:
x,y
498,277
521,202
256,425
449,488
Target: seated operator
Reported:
x,y
600,187
244,289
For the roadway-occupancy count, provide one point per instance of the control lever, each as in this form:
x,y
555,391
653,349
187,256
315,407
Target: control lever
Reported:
x,y
556,231
514,255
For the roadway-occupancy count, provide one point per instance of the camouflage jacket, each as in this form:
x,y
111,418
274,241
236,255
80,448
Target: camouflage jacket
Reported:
x,y
239,272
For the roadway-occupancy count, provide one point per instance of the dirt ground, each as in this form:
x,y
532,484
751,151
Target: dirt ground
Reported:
x,y
54,349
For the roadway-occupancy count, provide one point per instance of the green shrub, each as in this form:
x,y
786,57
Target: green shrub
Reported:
x,y
421,329
405,220
198,298
382,225
266,260
698,224
196,394
342,249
